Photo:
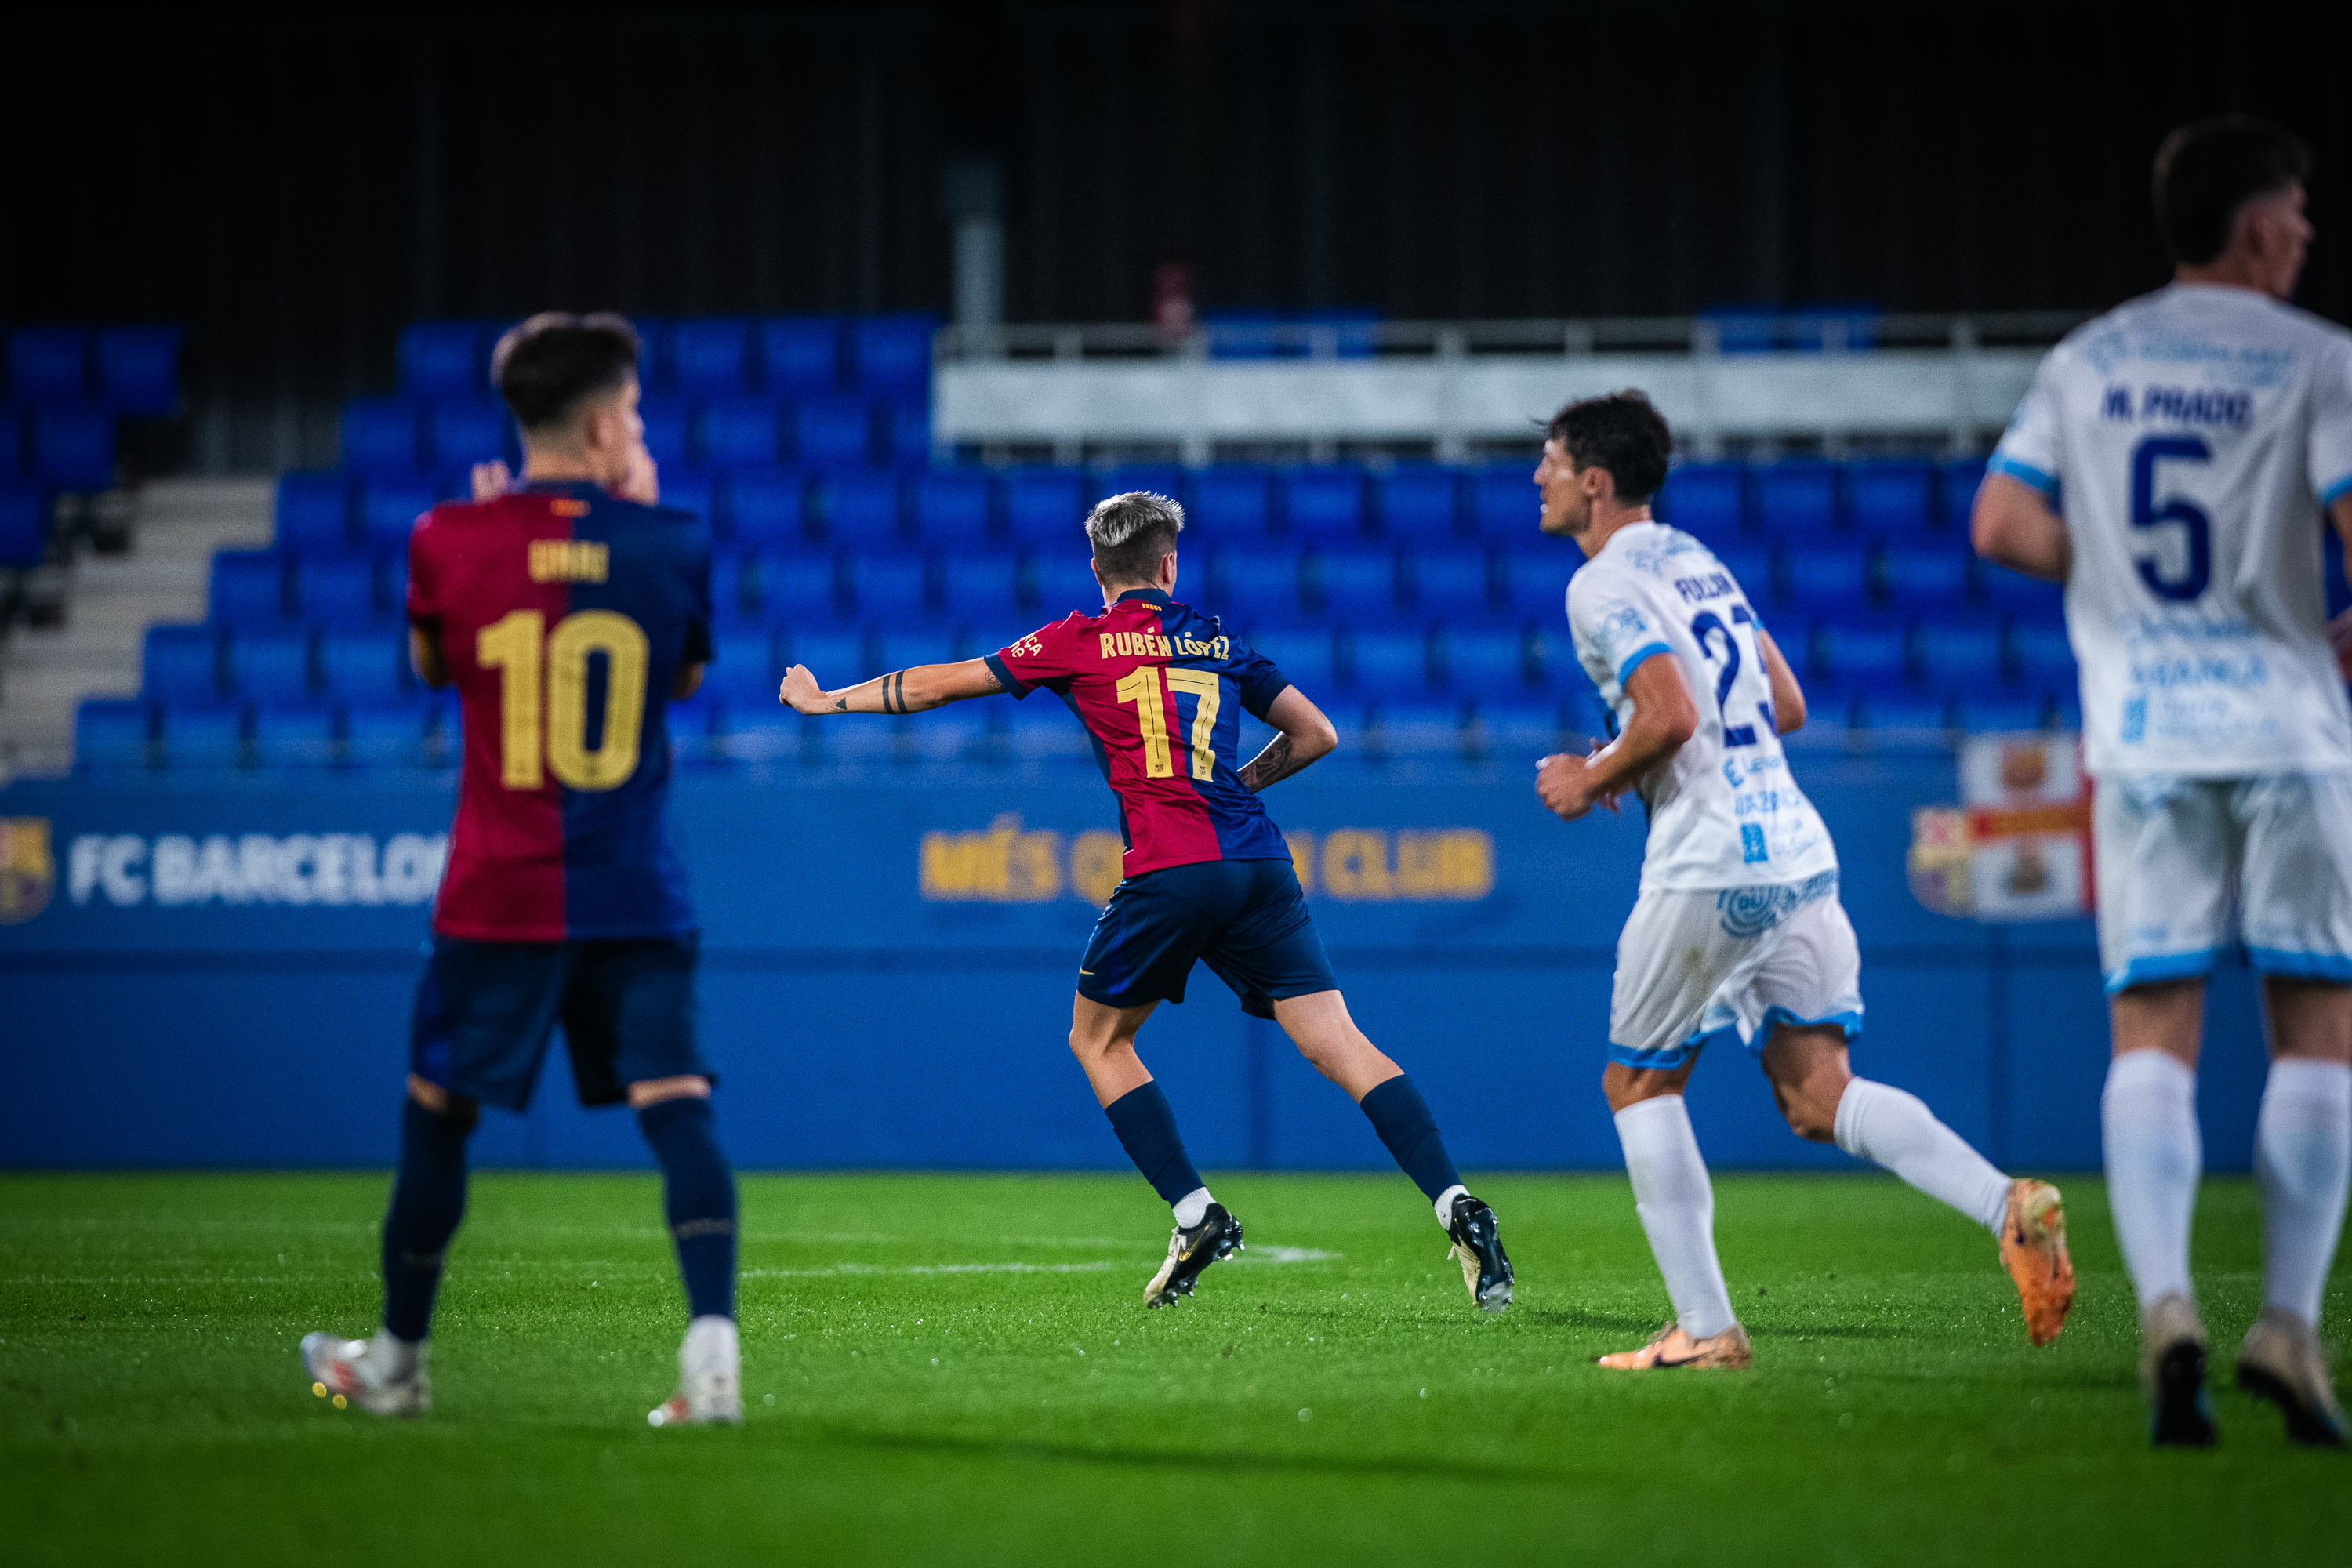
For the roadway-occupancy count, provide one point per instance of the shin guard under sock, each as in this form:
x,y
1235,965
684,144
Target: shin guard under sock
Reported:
x,y
428,1199
697,1199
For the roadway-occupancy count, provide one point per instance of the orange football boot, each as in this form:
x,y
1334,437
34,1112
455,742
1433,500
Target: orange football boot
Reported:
x,y
2033,1250
1670,1347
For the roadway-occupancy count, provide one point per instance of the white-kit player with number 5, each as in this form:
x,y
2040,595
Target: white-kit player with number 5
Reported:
x,y
2191,438
1737,929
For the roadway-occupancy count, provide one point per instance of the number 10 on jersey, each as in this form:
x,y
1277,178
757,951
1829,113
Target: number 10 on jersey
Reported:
x,y
546,671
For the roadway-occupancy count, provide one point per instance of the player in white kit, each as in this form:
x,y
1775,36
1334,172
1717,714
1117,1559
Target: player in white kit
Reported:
x,y
1737,925
2190,439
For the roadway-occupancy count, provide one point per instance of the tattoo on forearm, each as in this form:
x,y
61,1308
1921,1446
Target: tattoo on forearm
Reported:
x,y
894,692
1270,766
841,704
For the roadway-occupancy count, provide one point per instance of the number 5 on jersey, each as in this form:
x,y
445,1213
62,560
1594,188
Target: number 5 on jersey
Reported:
x,y
538,668
1142,688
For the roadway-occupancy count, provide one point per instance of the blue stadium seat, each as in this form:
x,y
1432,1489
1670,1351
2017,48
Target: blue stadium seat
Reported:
x,y
1891,500
891,355
390,734
767,510
709,356
1061,580
443,359
1750,563
1956,484
390,507
203,735
460,435
181,664
12,441
741,434
1355,583
888,587
2027,598
1421,501
903,648
48,364
1990,711
1797,498
23,524
861,507
1484,662
907,431
1393,664
800,355
743,667
1893,710
336,590
1960,656
1825,578
697,493
1232,503
1710,500
360,666
314,513
294,734
1256,585
669,436
1550,659
734,589
836,658
1323,503
2046,658
139,369
951,507
1451,581
984,587
249,588
1354,331
1744,329
1043,730
1862,655
73,445
833,433
1307,657
799,585
270,665
1167,479
112,732
959,735
380,435
1504,502
1534,580
1931,578
1246,334
1830,327
1045,505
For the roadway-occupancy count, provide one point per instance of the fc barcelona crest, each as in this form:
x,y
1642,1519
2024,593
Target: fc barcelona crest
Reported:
x,y
28,872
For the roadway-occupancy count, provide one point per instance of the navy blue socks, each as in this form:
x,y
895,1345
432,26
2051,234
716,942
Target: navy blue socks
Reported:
x,y
1402,1118
697,1199
428,1199
1147,1130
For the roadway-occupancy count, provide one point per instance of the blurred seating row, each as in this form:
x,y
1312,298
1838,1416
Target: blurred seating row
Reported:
x,y
705,356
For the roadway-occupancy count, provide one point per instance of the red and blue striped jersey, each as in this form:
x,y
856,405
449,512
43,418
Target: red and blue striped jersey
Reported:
x,y
564,615
1160,687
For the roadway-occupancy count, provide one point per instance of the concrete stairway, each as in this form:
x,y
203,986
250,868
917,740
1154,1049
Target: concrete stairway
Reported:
x,y
111,602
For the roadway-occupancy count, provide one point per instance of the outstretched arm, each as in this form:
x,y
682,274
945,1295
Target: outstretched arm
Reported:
x,y
2014,527
1306,737
912,691
1664,718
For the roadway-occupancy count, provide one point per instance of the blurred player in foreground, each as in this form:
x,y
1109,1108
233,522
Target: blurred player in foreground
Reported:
x,y
568,614
1737,925
1160,687
2194,432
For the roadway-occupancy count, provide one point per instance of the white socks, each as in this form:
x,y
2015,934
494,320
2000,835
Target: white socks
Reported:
x,y
1676,1203
1444,1206
1192,1209
711,1348
1881,1124
2302,1155
2148,1117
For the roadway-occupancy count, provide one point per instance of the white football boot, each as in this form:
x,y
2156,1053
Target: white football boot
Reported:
x,y
361,1373
709,1377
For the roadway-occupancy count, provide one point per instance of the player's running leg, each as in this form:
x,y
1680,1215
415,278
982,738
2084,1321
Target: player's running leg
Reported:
x,y
1320,1025
386,1375
1675,1203
2303,1161
699,1203
1103,1039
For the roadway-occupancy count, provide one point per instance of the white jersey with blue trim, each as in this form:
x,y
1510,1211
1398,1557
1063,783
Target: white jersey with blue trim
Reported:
x,y
1725,810
2190,439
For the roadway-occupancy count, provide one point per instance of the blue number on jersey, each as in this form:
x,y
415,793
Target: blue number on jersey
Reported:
x,y
2146,514
1706,626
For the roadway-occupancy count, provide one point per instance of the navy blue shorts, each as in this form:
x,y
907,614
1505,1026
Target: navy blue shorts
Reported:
x,y
1244,918
484,1011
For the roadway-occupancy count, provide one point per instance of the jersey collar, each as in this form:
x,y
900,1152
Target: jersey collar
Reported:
x,y
583,489
1149,596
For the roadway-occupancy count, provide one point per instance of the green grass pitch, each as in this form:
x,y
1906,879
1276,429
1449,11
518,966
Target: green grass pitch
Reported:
x,y
947,1369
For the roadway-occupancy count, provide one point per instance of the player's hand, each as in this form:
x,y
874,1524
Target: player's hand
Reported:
x,y
1564,784
642,482
1609,798
802,694
492,480
2339,637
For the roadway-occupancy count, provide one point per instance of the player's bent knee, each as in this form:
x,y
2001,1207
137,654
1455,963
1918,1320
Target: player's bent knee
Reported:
x,y
655,1090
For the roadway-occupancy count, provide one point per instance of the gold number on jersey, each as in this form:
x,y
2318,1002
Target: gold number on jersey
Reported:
x,y
1204,685
513,646
1142,687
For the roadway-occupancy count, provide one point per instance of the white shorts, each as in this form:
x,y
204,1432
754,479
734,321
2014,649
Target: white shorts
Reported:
x,y
2187,868
1692,964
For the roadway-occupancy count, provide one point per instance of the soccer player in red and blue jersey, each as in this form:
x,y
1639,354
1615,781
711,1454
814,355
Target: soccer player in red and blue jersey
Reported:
x,y
567,612
1160,687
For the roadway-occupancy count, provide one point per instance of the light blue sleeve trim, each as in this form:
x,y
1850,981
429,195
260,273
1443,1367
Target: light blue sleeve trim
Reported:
x,y
2302,966
2163,966
2329,496
1776,1016
1634,660
2023,473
